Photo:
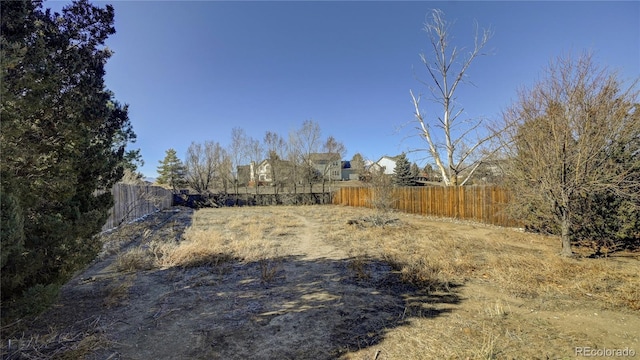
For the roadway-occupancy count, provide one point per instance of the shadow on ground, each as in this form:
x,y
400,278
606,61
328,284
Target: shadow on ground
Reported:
x,y
307,309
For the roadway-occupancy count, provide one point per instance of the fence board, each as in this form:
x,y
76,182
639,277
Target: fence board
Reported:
x,y
134,201
486,204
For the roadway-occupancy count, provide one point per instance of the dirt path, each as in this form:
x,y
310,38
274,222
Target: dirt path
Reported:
x,y
310,245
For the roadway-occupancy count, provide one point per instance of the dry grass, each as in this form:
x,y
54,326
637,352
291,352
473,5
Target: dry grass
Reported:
x,y
522,265
513,284
215,237
507,270
134,259
57,344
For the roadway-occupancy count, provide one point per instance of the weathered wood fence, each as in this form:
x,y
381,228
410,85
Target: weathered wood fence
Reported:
x,y
134,201
486,204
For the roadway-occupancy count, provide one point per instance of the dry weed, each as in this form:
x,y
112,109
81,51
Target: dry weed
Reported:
x,y
118,292
134,259
360,267
200,247
216,237
269,269
57,343
514,268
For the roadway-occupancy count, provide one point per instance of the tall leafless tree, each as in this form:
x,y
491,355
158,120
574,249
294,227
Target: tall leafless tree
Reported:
x,y
237,154
357,165
308,142
334,151
255,152
564,137
225,174
294,158
203,165
464,139
275,149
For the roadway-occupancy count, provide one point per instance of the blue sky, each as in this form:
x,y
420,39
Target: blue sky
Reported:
x,y
192,71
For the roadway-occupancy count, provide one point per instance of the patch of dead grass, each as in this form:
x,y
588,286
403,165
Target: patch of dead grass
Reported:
x,y
521,264
219,236
60,344
134,259
523,268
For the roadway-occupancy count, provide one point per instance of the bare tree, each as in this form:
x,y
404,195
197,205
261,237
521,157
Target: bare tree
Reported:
x,y
224,174
294,158
275,147
308,141
564,138
357,164
255,152
237,153
463,139
132,177
203,164
382,196
332,167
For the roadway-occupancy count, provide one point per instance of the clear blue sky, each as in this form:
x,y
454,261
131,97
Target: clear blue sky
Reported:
x,y
192,71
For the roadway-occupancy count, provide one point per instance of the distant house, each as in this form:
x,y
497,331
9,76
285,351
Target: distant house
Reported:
x,y
387,163
348,173
328,165
490,172
265,171
325,165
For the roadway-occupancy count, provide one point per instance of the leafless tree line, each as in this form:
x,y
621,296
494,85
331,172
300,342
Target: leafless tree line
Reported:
x,y
210,167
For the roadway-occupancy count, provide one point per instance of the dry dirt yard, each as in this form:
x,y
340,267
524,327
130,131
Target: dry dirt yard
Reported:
x,y
324,282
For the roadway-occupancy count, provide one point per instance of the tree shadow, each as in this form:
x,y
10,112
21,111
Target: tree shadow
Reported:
x,y
285,308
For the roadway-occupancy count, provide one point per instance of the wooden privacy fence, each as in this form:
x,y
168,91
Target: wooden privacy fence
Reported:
x,y
134,201
485,204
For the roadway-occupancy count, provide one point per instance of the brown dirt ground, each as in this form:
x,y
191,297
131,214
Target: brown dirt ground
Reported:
x,y
313,307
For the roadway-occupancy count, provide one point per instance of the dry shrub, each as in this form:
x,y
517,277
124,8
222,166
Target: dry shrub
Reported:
x,y
360,267
199,248
269,269
134,259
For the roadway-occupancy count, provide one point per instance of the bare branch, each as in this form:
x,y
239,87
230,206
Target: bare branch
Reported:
x,y
446,73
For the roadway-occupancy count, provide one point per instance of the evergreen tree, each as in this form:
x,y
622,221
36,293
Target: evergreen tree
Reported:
x,y
402,172
415,172
63,141
172,171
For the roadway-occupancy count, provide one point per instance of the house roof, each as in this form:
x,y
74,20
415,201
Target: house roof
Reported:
x,y
324,156
278,161
393,158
